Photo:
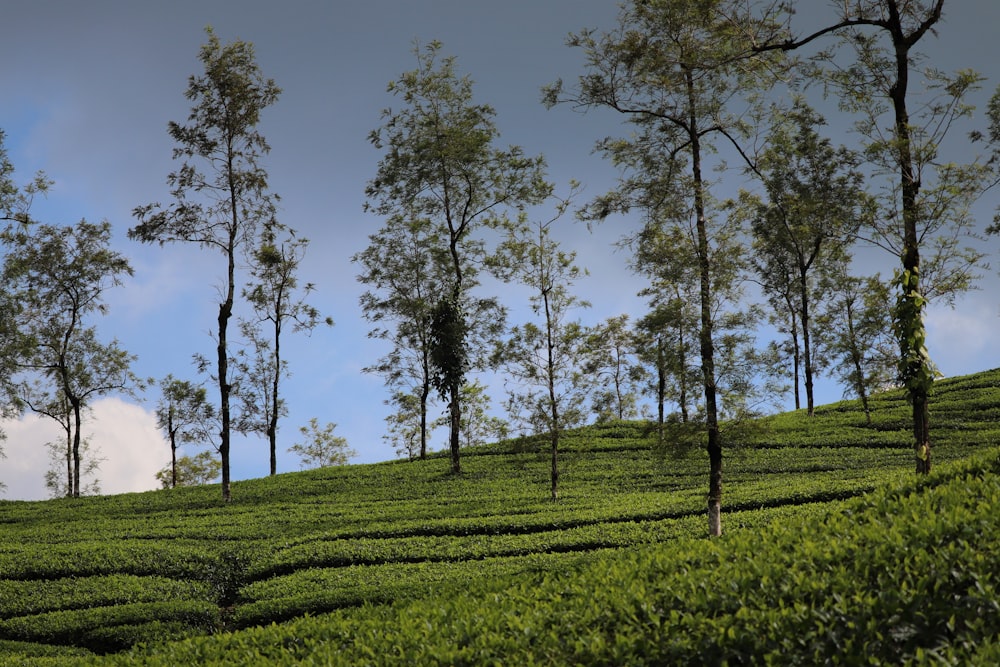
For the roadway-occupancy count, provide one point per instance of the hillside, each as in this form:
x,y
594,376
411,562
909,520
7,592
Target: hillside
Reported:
x,y
833,548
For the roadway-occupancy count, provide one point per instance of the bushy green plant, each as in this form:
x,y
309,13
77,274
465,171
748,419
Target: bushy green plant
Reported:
x,y
615,572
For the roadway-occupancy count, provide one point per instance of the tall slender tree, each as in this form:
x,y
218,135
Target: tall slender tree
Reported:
x,y
405,268
221,193
674,69
856,332
813,208
441,163
185,415
58,277
669,332
610,363
15,207
925,204
279,307
547,357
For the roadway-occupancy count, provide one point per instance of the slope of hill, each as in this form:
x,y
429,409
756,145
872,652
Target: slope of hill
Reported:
x,y
405,563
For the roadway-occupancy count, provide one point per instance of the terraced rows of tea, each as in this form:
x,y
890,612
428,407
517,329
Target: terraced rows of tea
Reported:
x,y
81,580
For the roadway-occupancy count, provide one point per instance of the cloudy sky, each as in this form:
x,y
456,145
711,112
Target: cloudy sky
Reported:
x,y
89,89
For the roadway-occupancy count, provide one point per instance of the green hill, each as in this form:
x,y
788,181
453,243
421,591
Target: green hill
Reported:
x,y
834,551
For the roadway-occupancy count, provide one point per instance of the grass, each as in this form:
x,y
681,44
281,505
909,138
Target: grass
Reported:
x,y
403,562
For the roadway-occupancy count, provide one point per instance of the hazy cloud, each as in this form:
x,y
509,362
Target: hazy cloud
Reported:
x,y
124,435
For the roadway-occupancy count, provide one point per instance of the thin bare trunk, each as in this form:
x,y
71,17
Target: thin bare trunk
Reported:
x,y
806,345
173,447
455,424
856,360
661,388
425,391
77,426
707,344
225,311
553,404
272,426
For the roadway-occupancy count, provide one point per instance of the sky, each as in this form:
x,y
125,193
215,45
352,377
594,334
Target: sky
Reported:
x,y
90,87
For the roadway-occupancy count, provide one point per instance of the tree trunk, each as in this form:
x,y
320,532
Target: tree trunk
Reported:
x,y
425,391
553,403
69,460
225,312
796,371
77,425
455,411
806,345
682,373
661,388
224,389
910,187
173,451
272,426
856,360
714,445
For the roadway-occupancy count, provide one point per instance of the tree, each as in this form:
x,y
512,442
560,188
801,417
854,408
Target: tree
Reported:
x,y
278,303
610,366
478,425
202,468
674,69
856,331
406,268
813,210
59,477
545,358
925,205
441,164
407,426
221,194
15,207
184,414
668,334
57,276
321,448
15,200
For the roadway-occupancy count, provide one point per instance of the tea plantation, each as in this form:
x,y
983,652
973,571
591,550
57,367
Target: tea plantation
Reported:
x,y
834,552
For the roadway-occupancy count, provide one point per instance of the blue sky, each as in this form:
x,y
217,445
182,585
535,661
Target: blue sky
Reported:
x,y
89,89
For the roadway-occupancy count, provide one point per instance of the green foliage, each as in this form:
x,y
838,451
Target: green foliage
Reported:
x,y
897,576
477,425
202,468
441,165
108,629
221,192
448,353
15,200
916,370
56,279
321,447
402,562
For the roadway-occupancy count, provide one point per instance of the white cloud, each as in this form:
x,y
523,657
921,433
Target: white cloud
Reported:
x,y
962,340
124,434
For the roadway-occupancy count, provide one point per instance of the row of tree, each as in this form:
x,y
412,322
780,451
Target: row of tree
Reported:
x,y
55,279
696,81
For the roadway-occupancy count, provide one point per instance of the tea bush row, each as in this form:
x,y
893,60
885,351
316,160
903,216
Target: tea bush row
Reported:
x,y
317,590
94,558
904,576
113,628
22,598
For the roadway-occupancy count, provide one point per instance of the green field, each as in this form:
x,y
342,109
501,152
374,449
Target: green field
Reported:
x,y
834,552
